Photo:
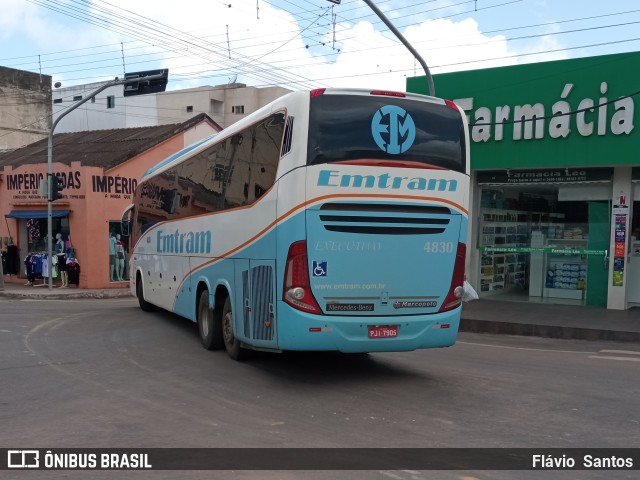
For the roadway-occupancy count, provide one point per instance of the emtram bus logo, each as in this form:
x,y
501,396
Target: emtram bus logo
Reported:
x,y
393,129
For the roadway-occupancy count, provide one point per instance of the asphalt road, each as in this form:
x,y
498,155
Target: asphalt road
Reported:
x,y
101,373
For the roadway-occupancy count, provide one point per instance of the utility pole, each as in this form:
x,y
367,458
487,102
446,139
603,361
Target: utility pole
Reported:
x,y
1,277
147,82
387,22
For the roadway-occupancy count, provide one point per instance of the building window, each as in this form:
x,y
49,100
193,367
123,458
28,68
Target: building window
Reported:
x,y
189,108
237,109
217,107
118,261
111,101
57,100
77,97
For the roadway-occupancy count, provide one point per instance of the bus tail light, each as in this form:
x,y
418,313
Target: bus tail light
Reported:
x,y
297,288
388,93
450,104
454,297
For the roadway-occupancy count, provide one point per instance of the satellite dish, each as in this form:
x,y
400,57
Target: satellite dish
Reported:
x,y
57,84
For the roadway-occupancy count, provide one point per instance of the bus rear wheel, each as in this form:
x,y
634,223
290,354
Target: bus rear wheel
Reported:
x,y
231,343
209,323
144,305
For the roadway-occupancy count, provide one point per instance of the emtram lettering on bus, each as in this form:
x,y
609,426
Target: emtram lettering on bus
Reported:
x,y
183,242
333,178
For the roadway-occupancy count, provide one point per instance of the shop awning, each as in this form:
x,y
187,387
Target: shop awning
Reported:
x,y
27,214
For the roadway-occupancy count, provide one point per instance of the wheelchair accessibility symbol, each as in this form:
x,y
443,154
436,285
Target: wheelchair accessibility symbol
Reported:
x,y
319,269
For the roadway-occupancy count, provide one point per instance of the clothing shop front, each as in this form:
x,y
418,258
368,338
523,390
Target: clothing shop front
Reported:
x,y
553,147
89,248
32,237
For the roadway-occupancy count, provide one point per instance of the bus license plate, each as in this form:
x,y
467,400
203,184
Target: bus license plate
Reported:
x,y
383,331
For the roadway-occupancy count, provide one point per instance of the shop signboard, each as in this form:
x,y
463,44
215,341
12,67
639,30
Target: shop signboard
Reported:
x,y
548,249
620,218
574,112
25,184
546,176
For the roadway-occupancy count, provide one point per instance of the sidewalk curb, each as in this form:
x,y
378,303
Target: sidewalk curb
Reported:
x,y
546,331
125,293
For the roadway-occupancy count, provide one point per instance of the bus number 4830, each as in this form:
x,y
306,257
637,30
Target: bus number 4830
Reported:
x,y
438,247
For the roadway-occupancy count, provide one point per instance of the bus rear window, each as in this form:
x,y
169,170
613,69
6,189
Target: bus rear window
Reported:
x,y
355,127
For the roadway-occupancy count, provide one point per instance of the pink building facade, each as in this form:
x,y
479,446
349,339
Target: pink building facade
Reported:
x,y
87,218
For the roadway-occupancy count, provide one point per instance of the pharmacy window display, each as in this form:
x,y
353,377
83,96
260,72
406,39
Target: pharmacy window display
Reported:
x,y
545,242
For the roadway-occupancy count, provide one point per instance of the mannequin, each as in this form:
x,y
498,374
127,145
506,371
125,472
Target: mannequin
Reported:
x,y
112,256
119,258
62,261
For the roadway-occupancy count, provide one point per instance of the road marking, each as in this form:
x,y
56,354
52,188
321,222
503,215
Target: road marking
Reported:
x,y
616,356
628,352
622,359
526,348
391,475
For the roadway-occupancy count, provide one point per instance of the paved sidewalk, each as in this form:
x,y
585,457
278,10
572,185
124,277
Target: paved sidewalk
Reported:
x,y
483,316
15,290
551,320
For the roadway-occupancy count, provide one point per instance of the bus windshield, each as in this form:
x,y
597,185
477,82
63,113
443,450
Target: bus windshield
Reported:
x,y
345,128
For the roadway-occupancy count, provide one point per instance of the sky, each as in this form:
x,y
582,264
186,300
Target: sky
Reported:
x,y
302,44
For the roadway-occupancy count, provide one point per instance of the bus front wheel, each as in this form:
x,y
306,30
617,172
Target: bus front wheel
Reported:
x,y
231,343
209,324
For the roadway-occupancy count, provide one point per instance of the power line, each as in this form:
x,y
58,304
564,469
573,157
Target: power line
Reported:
x,y
226,70
171,37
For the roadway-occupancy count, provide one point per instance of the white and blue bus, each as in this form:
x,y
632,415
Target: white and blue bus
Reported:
x,y
331,219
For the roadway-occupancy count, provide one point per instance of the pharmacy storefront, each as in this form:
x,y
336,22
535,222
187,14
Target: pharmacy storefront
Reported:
x,y
554,188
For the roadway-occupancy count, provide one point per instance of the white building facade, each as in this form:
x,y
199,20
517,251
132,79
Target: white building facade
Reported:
x,y
225,104
25,107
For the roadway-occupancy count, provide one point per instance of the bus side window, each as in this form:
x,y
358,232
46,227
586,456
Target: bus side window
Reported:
x,y
265,155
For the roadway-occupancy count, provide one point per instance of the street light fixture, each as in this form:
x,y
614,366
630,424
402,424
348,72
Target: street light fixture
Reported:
x,y
148,82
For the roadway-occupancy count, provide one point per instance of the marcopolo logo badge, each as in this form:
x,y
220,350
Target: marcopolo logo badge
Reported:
x,y
421,304
393,129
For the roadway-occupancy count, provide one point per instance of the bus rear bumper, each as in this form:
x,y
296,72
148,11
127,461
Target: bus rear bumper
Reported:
x,y
303,331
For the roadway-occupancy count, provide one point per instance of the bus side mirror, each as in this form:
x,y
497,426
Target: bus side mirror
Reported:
x,y
125,221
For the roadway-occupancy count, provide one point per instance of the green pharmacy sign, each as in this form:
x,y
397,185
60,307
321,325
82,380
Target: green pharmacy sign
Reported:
x,y
578,112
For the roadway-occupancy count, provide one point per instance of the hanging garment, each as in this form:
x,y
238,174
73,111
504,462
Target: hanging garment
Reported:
x,y
13,260
45,266
73,269
37,264
62,262
54,266
29,268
